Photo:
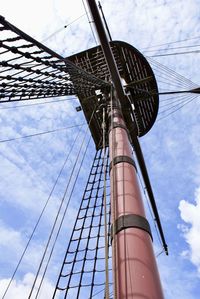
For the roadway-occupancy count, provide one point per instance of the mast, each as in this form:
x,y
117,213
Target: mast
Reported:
x,y
135,273
95,77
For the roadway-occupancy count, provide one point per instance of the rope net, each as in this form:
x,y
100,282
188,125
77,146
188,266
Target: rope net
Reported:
x,y
29,70
82,273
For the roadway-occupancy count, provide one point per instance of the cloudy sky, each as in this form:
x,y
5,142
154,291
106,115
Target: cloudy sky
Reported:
x,y
29,167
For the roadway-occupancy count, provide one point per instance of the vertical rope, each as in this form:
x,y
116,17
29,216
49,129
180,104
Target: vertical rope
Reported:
x,y
113,212
124,234
105,208
89,22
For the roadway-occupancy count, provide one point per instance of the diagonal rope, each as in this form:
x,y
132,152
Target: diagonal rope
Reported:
x,y
180,103
170,43
40,216
37,104
176,53
174,102
175,76
172,77
89,22
174,48
41,133
61,222
62,28
164,101
84,259
192,98
55,222
143,187
60,207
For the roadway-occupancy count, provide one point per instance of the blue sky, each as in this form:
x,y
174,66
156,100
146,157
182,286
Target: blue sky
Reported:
x,y
171,149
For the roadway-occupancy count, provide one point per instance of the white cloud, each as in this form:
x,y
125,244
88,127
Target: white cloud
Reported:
x,y
190,215
8,237
20,289
12,245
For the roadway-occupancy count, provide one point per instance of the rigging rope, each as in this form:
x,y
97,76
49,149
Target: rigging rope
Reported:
x,y
60,206
37,104
170,43
62,28
84,261
173,100
179,104
170,75
41,133
190,99
40,217
149,208
158,254
167,79
176,53
113,203
175,48
89,22
54,224
105,208
62,219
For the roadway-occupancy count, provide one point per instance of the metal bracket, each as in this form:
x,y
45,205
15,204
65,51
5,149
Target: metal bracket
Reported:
x,y
120,159
78,108
131,221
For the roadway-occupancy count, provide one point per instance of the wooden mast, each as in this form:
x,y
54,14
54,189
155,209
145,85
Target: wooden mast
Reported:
x,y
135,271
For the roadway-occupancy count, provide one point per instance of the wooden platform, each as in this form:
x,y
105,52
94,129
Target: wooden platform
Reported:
x,y
140,107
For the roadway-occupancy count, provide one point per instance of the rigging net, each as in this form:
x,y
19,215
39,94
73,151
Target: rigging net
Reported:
x,y
84,262
29,70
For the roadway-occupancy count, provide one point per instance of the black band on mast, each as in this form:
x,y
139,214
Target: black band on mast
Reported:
x,y
131,221
120,159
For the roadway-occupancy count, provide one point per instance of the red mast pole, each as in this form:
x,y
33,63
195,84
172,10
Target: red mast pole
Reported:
x,y
135,273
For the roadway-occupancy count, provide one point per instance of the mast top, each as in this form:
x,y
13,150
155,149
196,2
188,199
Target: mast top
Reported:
x,y
140,106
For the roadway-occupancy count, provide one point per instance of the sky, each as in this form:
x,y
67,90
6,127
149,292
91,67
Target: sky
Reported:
x,y
171,149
